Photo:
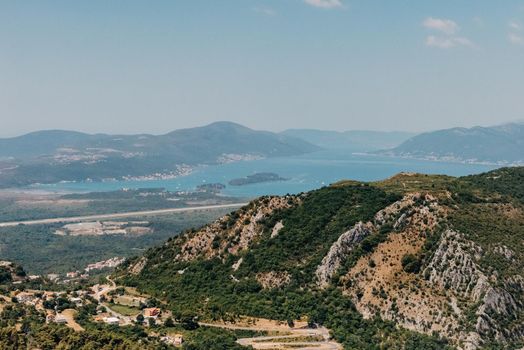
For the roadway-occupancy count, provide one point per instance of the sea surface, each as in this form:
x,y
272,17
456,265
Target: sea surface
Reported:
x,y
304,173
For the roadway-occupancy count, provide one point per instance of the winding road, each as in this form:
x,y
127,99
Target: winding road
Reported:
x,y
293,338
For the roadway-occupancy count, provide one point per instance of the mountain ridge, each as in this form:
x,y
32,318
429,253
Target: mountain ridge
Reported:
x,y
430,256
57,155
500,144
353,140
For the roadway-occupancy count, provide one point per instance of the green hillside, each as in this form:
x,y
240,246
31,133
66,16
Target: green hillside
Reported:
x,y
412,262
53,156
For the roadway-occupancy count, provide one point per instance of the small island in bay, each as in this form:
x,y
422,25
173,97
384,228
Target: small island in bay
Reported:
x,y
256,178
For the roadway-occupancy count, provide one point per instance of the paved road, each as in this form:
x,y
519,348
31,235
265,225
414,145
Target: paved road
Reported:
x,y
118,215
104,291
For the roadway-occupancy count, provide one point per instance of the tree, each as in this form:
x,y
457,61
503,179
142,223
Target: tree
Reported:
x,y
290,323
140,319
410,263
188,323
169,322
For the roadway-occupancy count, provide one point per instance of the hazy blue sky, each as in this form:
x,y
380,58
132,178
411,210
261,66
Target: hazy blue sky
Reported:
x,y
153,66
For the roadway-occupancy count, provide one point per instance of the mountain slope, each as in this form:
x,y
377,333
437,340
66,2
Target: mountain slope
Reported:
x,y
354,140
52,156
434,255
498,144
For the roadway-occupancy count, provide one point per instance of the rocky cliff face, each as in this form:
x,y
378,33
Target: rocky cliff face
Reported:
x,y
234,232
394,215
339,250
455,268
230,234
451,294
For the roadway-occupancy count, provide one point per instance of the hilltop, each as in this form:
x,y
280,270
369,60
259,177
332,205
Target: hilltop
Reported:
x,y
415,261
352,140
55,155
501,144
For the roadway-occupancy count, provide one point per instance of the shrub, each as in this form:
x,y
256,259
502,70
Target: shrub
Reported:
x,y
411,263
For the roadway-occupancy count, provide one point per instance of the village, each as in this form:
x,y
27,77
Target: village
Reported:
x,y
117,306
107,303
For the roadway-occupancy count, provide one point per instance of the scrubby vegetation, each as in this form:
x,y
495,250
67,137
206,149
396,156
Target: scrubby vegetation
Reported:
x,y
207,288
24,327
211,289
40,251
232,283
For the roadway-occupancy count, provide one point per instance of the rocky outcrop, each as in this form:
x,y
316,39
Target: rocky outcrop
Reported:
x,y
396,214
393,211
236,265
233,233
455,268
276,229
136,268
273,279
339,250
505,252
379,283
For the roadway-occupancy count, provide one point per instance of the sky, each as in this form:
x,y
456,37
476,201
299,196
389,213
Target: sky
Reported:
x,y
127,66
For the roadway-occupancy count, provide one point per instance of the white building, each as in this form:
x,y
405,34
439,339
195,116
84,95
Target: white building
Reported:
x,y
112,320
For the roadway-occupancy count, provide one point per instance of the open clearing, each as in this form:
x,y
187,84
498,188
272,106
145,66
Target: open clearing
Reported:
x,y
299,337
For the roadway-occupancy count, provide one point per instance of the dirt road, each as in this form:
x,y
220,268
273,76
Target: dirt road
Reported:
x,y
300,338
118,215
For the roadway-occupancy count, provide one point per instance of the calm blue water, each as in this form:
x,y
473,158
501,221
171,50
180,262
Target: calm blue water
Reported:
x,y
305,173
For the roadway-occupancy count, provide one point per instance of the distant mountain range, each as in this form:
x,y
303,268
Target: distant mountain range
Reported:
x,y
56,155
503,144
53,156
355,140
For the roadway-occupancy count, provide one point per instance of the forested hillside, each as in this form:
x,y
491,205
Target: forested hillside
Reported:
x,y
411,262
500,144
53,156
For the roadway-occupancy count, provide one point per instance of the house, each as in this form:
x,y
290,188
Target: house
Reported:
x,y
112,320
175,340
152,312
73,274
53,277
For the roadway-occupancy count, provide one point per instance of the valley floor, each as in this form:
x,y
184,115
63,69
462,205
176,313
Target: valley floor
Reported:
x,y
118,215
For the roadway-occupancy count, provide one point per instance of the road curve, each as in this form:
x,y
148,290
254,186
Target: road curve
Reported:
x,y
284,341
118,215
